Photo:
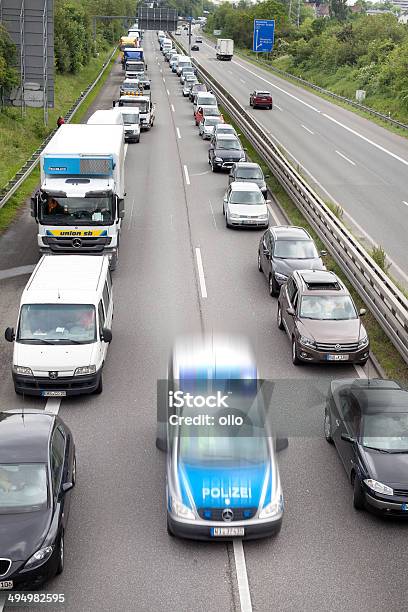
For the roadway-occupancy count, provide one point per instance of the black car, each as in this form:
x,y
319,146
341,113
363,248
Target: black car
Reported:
x,y
283,249
195,48
224,151
367,420
249,172
37,473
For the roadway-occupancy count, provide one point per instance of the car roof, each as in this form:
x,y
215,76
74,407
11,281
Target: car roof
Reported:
x,y
241,186
262,91
228,137
374,395
289,232
324,281
24,436
229,126
239,165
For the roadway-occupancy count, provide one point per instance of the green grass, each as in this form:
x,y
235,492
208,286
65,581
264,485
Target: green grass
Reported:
x,y
20,137
383,349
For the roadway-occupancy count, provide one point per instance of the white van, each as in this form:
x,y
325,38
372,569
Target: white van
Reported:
x,y
64,326
131,119
107,117
204,98
183,61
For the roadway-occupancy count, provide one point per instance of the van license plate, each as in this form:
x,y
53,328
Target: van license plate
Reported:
x,y
6,584
227,531
338,357
53,393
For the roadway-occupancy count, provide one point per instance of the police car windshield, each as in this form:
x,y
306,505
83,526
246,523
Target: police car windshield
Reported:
x,y
56,210
23,487
205,448
57,324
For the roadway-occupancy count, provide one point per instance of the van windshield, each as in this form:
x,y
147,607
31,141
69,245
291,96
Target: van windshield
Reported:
x,y
57,324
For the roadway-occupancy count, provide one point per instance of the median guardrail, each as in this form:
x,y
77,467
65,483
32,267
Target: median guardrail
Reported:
x,y
18,179
387,303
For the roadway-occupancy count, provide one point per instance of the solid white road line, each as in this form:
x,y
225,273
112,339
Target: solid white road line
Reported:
x,y
360,371
126,148
350,161
242,577
172,108
371,142
273,214
186,174
53,405
201,273
178,133
131,214
307,129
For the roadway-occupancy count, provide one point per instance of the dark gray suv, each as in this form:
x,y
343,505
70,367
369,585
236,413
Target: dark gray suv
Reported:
x,y
283,249
249,172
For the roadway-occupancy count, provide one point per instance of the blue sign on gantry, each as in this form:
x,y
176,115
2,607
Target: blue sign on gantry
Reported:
x,y
264,34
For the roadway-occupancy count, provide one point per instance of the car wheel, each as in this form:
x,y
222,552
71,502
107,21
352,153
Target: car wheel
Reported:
x,y
363,363
273,289
74,472
137,140
259,262
295,358
213,168
279,317
328,427
61,553
226,222
358,495
99,388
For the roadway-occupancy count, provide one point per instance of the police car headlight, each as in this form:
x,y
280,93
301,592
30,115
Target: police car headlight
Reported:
x,y
272,509
181,510
85,370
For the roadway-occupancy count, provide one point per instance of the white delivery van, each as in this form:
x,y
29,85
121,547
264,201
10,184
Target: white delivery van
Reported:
x,y
131,120
204,98
105,117
64,327
184,60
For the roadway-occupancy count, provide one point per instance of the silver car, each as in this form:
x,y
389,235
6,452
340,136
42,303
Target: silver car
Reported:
x,y
207,125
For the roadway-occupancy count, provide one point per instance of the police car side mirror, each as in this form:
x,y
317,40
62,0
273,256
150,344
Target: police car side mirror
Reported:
x,y
9,334
106,335
281,444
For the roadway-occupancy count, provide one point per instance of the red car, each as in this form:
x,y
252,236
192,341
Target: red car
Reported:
x,y
260,99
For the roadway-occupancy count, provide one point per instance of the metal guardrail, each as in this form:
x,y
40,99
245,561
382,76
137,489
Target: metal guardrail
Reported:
x,y
18,179
387,303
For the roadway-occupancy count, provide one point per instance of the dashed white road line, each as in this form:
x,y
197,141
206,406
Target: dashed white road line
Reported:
x,y
278,107
172,108
213,216
307,129
168,93
404,202
178,133
186,174
242,576
201,273
242,81
350,161
164,80
53,405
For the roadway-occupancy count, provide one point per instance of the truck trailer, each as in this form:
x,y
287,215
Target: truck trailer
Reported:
x,y
224,48
80,204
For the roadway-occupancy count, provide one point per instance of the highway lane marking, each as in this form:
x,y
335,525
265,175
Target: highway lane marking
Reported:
x,y
178,133
126,148
242,81
307,129
19,271
404,202
274,215
168,93
164,80
333,199
173,109
242,576
53,405
213,216
278,107
277,87
201,273
131,214
360,371
186,174
371,142
350,161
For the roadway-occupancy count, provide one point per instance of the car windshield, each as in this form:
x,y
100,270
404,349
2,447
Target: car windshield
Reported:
x,y
262,94
130,119
142,105
57,324
327,307
204,101
250,173
199,87
230,145
57,210
212,111
247,197
225,129
188,69
211,120
130,85
295,249
386,431
23,487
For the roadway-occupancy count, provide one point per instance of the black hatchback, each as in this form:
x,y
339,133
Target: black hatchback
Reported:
x,y
224,151
37,473
367,420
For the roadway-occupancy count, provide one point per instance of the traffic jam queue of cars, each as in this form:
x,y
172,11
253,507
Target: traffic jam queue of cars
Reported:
x,y
63,331
367,421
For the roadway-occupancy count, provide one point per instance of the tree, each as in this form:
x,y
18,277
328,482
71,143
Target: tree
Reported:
x,y
339,9
8,74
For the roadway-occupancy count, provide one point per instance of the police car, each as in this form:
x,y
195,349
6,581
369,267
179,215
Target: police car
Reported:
x,y
222,476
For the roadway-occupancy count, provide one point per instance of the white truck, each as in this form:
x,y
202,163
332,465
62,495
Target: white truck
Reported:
x,y
81,202
147,109
224,49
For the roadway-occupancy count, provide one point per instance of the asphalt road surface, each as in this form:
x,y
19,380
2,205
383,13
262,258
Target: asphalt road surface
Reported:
x,y
350,160
119,557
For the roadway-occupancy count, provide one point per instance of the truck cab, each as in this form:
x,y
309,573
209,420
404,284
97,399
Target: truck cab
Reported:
x,y
147,108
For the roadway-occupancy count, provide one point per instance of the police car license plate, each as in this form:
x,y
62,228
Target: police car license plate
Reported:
x,y
53,393
227,531
6,584
337,357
